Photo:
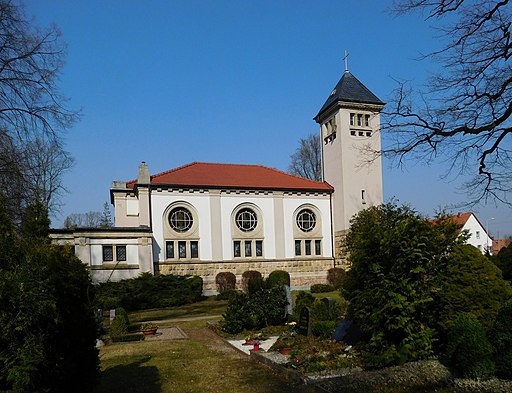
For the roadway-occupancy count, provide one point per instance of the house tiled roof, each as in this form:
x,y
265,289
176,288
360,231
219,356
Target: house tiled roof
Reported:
x,y
461,218
349,89
234,176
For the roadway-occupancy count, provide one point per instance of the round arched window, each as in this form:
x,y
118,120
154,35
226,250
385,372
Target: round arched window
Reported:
x,y
246,220
306,220
180,219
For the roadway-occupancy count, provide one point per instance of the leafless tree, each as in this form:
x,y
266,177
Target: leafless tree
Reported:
x,y
464,116
91,219
307,160
32,109
44,164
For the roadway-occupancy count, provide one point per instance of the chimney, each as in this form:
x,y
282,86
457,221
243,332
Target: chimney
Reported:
x,y
143,176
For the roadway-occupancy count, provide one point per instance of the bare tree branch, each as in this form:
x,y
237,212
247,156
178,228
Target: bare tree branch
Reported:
x,y
306,161
465,117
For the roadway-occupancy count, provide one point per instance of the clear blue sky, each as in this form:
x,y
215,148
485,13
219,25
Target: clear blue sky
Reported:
x,y
171,82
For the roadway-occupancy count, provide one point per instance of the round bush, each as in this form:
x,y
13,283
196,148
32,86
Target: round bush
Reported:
x,y
469,351
252,281
336,276
118,327
225,281
321,288
121,312
278,278
500,337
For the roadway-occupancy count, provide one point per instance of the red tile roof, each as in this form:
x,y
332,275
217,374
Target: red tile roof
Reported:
x,y
461,218
210,175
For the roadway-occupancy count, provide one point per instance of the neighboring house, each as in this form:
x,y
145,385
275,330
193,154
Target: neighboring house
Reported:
x,y
498,244
478,233
206,218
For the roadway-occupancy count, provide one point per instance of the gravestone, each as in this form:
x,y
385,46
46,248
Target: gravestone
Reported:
x,y
288,309
305,322
341,330
329,302
112,315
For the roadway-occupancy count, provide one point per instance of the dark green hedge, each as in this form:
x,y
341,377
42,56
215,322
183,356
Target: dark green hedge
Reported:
x,y
148,291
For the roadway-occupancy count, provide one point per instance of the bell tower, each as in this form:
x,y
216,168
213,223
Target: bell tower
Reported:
x,y
349,132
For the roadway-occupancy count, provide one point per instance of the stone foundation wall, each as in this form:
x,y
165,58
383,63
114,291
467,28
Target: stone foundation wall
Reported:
x,y
303,272
340,252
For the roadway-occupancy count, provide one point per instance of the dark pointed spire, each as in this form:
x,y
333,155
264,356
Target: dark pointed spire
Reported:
x,y
349,89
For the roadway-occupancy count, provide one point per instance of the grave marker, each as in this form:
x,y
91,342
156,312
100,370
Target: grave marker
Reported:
x,y
305,322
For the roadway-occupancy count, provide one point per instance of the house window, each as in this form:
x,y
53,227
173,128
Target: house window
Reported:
x,y
187,249
359,119
169,249
108,253
182,249
367,120
307,246
318,248
194,249
236,249
306,220
352,119
246,220
121,253
478,234
180,219
111,253
259,248
250,248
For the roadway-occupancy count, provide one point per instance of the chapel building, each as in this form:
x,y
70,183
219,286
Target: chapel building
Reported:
x,y
206,218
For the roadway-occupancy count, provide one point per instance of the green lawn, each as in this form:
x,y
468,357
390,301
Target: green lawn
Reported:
x,y
203,363
209,306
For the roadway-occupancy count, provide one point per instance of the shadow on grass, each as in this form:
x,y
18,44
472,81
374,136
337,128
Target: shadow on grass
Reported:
x,y
133,377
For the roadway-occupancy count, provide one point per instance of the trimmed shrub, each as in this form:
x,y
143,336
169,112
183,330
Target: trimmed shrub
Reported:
x,y
304,299
148,291
278,278
469,352
118,327
256,310
336,277
323,329
225,281
252,281
121,312
500,337
128,337
321,288
226,295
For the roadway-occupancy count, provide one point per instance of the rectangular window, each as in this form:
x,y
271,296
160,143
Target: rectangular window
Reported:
x,y
367,120
194,249
359,119
259,248
248,248
307,247
182,249
478,234
318,248
297,247
120,253
236,249
169,250
352,119
108,253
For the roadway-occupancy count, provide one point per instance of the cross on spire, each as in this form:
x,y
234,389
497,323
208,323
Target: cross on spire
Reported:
x,y
346,60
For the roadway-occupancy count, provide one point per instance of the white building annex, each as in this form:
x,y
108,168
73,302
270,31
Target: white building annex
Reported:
x,y
478,234
205,218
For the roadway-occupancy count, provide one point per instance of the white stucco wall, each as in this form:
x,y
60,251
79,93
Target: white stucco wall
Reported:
x,y
264,203
478,234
